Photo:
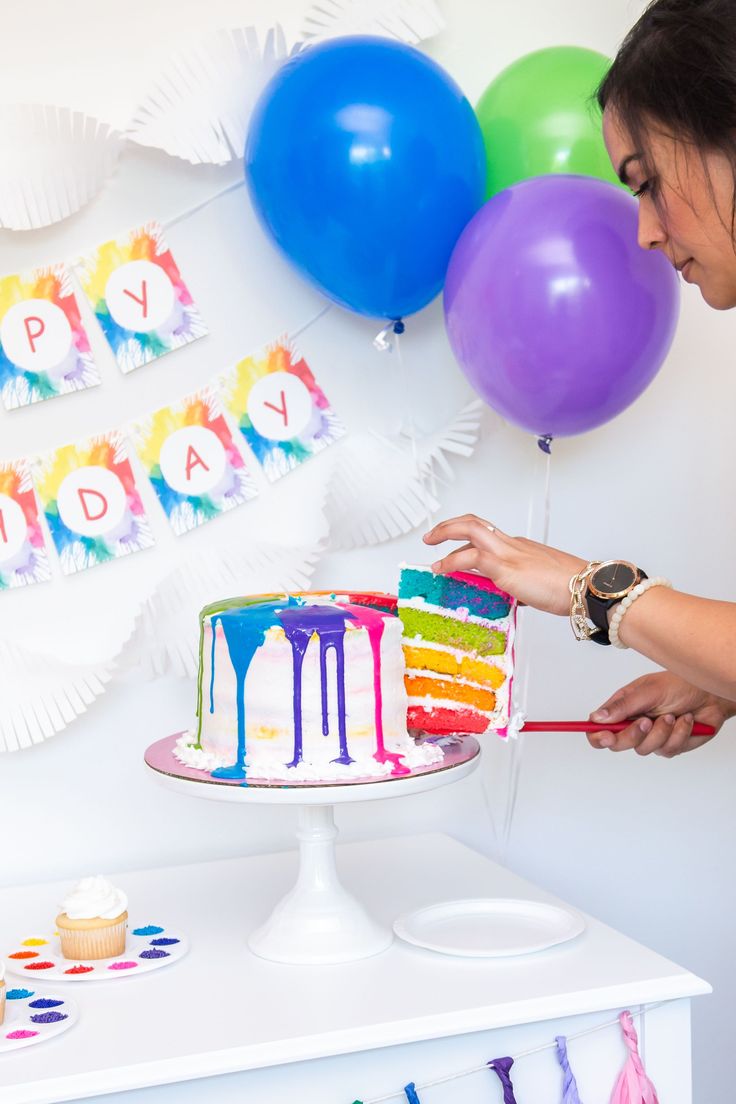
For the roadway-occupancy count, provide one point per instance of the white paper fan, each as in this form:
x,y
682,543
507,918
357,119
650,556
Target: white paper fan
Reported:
x,y
383,488
53,162
410,21
41,695
200,105
165,638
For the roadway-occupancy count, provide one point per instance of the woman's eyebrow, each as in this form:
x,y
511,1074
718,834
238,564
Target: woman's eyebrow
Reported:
x,y
623,174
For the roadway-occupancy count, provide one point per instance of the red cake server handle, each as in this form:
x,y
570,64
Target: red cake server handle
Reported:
x,y
588,726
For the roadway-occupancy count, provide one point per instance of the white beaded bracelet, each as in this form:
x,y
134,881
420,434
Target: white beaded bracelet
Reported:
x,y
620,610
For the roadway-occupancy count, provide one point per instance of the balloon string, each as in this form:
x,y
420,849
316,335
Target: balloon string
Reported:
x,y
517,746
407,421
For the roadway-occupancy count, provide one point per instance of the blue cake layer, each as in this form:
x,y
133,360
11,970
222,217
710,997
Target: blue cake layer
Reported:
x,y
444,590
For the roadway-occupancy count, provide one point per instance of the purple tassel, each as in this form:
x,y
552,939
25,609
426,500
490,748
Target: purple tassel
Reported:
x,y
501,1067
569,1085
411,1093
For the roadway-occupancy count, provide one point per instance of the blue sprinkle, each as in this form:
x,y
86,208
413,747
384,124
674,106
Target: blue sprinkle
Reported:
x,y
150,929
49,1017
45,1002
19,994
154,953
163,942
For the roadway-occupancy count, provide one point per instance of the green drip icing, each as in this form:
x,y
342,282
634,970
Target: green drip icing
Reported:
x,y
456,634
209,611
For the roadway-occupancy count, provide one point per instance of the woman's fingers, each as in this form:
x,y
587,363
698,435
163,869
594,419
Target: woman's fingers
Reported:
x,y
468,558
630,737
469,528
680,738
666,736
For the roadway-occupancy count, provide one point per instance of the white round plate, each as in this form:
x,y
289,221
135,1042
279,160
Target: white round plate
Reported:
x,y
32,1017
489,927
38,958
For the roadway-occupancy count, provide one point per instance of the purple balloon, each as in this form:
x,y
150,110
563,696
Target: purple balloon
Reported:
x,y
556,316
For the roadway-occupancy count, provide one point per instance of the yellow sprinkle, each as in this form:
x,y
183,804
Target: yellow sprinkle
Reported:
x,y
35,942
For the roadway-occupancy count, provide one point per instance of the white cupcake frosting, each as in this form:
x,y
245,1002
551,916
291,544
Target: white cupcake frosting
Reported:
x,y
94,897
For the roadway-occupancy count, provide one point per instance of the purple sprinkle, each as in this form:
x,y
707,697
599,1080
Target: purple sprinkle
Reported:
x,y
154,953
49,1017
45,1002
19,994
163,942
122,965
150,929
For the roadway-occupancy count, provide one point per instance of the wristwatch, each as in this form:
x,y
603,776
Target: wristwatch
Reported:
x,y
607,585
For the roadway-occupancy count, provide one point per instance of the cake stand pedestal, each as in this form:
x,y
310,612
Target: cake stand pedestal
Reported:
x,y
318,921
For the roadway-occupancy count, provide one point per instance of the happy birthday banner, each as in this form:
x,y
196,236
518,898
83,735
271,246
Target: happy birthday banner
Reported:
x,y
88,493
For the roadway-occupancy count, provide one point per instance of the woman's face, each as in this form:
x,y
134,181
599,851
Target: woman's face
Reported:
x,y
685,207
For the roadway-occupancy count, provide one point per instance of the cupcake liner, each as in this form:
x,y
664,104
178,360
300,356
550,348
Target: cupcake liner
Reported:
x,y
93,943
2,1001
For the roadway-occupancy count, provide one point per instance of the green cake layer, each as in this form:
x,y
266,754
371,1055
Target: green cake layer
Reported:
x,y
456,634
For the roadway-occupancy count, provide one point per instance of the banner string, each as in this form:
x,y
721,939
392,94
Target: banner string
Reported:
x,y
641,1012
189,211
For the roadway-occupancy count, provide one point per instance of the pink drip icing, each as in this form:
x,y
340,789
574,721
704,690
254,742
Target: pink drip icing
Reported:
x,y
372,620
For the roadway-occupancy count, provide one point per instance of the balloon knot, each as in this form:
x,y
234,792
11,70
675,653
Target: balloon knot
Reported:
x,y
399,327
545,443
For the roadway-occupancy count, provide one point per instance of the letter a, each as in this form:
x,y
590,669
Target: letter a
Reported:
x,y
194,460
82,492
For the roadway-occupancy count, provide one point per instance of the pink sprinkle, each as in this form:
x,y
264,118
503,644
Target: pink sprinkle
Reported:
x,y
122,965
21,1034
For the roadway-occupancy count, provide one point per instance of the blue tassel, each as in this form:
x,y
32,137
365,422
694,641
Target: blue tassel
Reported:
x,y
411,1093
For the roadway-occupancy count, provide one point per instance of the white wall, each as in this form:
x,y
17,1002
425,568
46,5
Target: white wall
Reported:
x,y
648,845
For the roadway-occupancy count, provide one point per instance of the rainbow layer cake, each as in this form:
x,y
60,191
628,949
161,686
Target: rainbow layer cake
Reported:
x,y
458,648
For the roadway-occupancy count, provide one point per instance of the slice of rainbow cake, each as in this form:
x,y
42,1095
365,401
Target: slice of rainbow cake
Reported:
x,y
459,651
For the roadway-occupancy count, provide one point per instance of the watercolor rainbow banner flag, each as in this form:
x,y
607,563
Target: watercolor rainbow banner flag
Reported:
x,y
190,458
44,350
281,411
23,558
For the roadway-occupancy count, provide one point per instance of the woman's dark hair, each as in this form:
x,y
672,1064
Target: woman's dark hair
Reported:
x,y
676,70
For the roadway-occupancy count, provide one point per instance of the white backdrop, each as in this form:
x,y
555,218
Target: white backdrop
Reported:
x,y
647,845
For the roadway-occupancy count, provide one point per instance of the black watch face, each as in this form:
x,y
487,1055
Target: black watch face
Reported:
x,y
613,578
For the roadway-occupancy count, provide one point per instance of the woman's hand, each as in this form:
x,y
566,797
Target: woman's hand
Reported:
x,y
537,575
673,703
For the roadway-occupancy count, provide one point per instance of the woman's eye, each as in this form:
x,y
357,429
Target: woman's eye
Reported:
x,y
645,187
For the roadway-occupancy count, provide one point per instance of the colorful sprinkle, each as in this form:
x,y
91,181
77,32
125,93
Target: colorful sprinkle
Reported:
x,y
24,954
19,994
34,942
45,1002
39,966
122,965
49,1017
21,1034
80,970
163,942
154,953
150,929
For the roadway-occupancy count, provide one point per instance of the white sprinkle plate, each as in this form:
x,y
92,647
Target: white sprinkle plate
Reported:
x,y
489,927
38,958
32,1017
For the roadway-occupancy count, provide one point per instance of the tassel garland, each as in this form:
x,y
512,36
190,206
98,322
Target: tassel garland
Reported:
x,y
501,1067
411,1093
569,1085
633,1086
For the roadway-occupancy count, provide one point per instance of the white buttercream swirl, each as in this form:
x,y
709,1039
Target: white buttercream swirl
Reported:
x,y
197,758
94,897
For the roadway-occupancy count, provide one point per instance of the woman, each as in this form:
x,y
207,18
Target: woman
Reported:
x,y
669,124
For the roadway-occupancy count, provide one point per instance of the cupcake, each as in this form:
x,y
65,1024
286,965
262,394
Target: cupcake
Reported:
x,y
2,992
93,920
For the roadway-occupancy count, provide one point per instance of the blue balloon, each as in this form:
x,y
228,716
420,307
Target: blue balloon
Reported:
x,y
365,161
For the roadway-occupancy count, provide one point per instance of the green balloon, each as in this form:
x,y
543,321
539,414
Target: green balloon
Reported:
x,y
539,116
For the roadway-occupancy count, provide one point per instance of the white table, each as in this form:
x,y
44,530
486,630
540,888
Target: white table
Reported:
x,y
319,1034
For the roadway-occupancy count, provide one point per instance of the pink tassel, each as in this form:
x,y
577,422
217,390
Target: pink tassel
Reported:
x,y
633,1086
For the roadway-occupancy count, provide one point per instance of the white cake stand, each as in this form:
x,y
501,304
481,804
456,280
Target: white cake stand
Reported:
x,y
318,921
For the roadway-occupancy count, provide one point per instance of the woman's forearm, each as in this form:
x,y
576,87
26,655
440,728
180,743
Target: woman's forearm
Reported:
x,y
693,637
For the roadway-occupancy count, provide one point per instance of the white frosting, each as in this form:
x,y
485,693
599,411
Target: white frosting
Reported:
x,y
92,898
269,708
195,757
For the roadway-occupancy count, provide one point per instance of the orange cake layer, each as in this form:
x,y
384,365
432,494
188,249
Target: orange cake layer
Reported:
x,y
449,690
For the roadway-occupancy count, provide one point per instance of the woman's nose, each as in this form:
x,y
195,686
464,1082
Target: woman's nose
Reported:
x,y
651,233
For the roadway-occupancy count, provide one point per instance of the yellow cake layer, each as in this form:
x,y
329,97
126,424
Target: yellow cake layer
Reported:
x,y
448,690
445,663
